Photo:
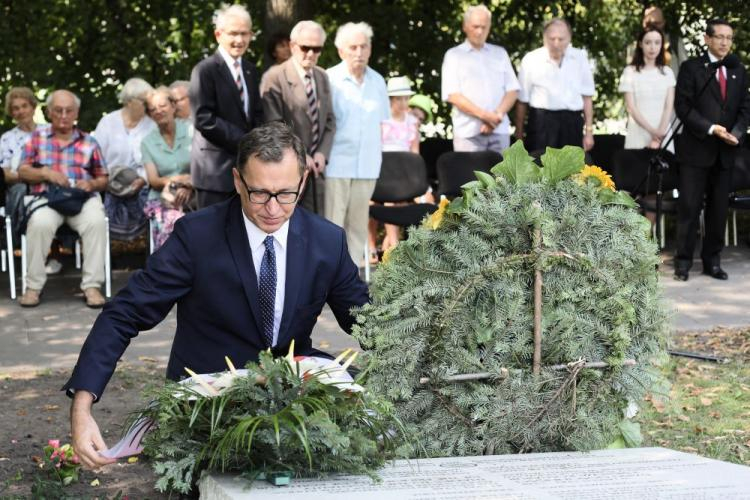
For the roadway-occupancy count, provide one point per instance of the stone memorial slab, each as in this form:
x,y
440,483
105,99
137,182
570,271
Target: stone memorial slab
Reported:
x,y
638,473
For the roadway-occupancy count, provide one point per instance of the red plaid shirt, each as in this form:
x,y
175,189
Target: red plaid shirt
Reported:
x,y
79,160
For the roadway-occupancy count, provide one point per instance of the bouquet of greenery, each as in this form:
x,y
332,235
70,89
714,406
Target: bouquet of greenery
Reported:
x,y
525,315
290,416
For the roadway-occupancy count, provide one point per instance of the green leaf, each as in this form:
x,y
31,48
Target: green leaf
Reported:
x,y
560,164
609,197
486,179
631,433
617,444
517,166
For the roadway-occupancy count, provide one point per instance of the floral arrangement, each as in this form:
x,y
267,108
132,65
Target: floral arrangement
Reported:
x,y
530,310
293,416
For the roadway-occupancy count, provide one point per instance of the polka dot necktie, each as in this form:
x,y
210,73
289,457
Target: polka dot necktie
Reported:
x,y
267,289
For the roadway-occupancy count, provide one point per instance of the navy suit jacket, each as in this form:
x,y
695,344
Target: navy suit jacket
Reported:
x,y
206,268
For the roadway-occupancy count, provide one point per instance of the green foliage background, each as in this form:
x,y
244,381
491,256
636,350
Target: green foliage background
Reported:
x,y
93,46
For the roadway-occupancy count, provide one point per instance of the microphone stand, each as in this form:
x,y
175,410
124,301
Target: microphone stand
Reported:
x,y
660,165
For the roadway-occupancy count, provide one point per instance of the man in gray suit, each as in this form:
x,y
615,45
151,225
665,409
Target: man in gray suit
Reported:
x,y
226,105
297,92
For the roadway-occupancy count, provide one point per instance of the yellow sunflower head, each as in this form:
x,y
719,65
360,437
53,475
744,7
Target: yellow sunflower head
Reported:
x,y
434,220
593,172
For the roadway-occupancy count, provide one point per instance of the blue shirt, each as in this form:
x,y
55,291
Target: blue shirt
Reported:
x,y
359,109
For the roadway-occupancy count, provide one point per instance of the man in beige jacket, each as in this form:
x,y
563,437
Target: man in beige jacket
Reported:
x,y
298,93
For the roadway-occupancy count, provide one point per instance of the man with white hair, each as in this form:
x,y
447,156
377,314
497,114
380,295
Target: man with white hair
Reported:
x,y
479,81
556,88
63,155
226,105
298,93
360,104
179,91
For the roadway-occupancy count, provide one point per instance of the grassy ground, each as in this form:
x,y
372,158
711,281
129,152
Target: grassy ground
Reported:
x,y
708,408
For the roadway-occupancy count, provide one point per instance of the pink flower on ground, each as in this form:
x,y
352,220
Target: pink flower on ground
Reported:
x,y
75,459
54,454
58,464
55,443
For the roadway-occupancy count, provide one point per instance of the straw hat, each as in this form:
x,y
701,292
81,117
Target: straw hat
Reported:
x,y
399,86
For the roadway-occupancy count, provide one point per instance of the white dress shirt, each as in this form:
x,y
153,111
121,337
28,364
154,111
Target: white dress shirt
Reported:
x,y
483,76
547,85
229,60
712,58
255,237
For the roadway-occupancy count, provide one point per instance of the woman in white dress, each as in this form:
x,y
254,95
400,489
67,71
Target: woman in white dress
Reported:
x,y
649,85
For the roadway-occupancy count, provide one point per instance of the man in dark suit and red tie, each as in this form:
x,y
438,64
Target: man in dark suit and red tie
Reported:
x,y
715,120
226,105
247,274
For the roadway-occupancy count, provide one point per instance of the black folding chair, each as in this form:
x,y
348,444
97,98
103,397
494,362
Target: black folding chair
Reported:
x,y
739,200
431,149
457,168
403,177
632,172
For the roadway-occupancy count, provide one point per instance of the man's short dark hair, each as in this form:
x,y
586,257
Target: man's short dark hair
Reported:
x,y
268,143
558,20
711,25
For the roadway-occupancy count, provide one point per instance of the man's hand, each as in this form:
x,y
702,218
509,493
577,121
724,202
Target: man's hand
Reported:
x,y
486,129
55,177
722,133
518,134
654,144
87,440
491,118
87,186
320,162
588,141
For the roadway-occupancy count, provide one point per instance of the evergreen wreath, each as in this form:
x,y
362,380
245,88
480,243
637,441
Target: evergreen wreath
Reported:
x,y
281,416
450,332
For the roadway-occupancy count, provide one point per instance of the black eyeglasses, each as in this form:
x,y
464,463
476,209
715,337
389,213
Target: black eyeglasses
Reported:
x,y
261,196
308,48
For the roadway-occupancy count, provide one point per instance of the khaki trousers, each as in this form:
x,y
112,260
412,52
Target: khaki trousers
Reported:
x,y
88,223
347,204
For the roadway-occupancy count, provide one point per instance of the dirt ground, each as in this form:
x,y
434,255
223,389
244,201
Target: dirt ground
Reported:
x,y
34,410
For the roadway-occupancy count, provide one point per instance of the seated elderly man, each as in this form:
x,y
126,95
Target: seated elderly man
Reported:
x,y
65,156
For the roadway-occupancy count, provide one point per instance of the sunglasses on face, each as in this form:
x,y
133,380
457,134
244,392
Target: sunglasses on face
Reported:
x,y
308,48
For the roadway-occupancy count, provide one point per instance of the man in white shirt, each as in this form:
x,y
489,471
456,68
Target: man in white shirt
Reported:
x,y
479,81
556,87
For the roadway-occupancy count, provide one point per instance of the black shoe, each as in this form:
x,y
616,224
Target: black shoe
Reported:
x,y
715,272
681,274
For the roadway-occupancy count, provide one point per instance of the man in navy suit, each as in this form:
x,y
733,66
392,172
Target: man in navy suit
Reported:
x,y
715,122
226,105
246,274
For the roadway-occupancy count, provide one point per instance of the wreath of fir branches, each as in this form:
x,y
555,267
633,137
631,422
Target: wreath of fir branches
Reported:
x,y
269,421
450,331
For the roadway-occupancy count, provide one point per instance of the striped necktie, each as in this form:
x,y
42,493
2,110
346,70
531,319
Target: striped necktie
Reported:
x,y
312,108
238,81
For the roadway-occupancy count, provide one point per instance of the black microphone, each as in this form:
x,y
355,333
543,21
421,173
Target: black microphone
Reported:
x,y
730,62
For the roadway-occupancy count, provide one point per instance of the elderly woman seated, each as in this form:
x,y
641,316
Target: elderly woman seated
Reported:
x,y
119,135
20,104
166,156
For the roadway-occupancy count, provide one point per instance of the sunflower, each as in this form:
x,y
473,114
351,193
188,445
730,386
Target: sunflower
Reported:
x,y
593,172
434,220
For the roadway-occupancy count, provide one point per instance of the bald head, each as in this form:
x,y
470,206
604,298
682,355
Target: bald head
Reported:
x,y
62,110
